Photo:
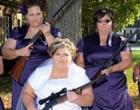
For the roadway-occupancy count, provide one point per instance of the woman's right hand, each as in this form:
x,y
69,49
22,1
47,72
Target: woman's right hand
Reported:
x,y
25,51
46,29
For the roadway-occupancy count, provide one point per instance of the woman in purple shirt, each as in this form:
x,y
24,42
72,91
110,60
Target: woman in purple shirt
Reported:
x,y
18,43
93,52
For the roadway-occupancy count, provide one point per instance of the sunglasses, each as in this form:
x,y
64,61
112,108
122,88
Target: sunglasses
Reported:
x,y
105,21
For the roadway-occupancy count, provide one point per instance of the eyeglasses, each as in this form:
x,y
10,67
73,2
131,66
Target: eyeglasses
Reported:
x,y
105,21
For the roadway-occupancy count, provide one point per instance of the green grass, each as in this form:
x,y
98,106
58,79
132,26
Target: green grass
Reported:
x,y
136,56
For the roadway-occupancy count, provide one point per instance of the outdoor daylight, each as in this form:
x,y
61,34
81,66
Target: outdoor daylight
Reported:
x,y
69,54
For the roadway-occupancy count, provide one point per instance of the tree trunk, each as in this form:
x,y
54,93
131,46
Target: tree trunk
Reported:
x,y
69,20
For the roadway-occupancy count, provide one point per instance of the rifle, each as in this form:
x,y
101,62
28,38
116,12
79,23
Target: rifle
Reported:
x,y
98,79
21,61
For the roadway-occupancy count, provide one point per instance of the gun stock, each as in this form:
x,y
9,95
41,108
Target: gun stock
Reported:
x,y
18,68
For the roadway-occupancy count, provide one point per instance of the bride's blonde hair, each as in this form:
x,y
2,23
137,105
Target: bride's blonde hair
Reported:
x,y
62,43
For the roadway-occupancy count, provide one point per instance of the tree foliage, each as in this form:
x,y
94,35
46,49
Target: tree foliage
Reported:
x,y
127,12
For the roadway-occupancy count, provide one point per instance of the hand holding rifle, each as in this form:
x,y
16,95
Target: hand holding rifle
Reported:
x,y
107,71
25,51
72,96
60,97
23,54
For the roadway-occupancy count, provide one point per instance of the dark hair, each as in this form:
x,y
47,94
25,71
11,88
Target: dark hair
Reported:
x,y
29,3
99,13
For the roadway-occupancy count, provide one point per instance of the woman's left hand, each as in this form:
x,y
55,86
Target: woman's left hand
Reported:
x,y
46,29
107,71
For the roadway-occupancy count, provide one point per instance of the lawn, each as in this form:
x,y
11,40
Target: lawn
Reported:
x,y
5,86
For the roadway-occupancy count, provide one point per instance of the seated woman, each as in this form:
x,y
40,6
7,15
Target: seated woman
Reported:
x,y
61,73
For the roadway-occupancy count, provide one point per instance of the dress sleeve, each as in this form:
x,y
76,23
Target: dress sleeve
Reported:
x,y
127,47
80,45
14,33
118,41
33,79
78,76
18,32
40,76
37,78
56,32
83,79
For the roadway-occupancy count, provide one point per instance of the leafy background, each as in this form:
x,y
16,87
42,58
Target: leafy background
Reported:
x,y
127,13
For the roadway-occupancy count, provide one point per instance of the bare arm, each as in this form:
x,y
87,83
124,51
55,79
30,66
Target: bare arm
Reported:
x,y
126,62
80,60
85,99
10,52
9,49
28,97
